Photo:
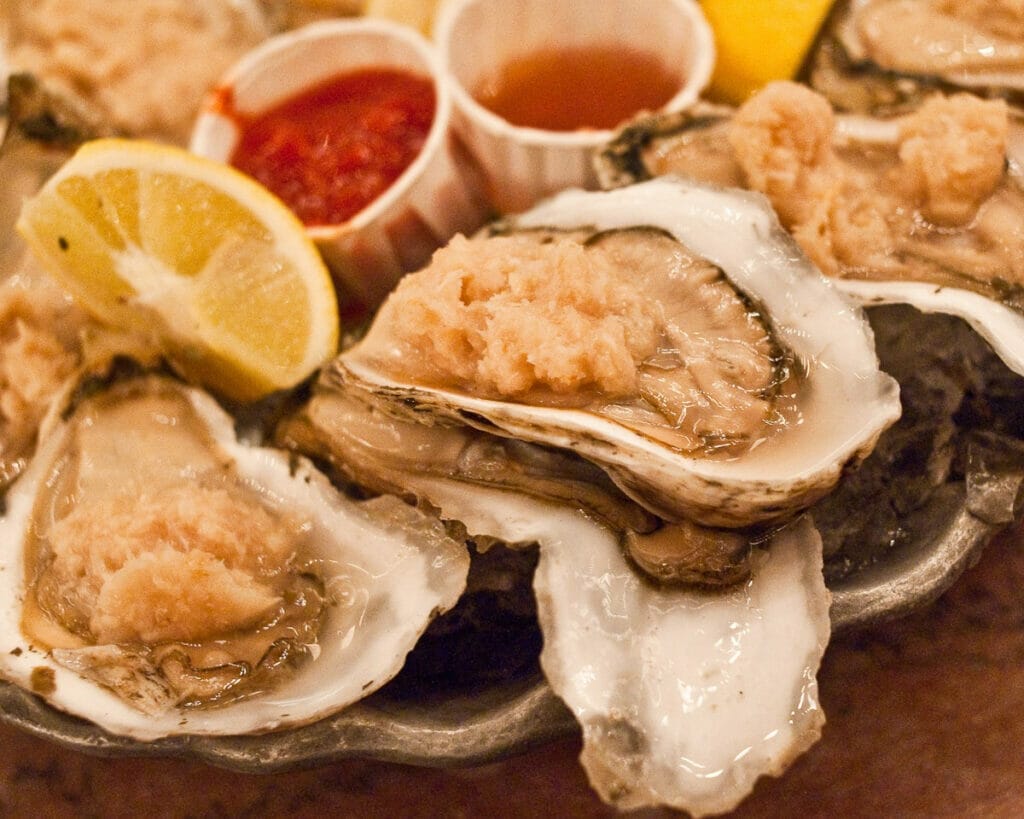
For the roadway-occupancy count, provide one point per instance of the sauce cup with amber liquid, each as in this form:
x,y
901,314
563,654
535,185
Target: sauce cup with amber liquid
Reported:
x,y
538,85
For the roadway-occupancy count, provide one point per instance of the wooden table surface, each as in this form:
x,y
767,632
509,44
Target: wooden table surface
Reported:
x,y
925,718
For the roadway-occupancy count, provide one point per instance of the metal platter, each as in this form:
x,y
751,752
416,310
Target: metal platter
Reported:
x,y
907,544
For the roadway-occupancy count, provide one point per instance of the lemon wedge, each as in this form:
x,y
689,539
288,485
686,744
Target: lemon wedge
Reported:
x,y
759,42
192,253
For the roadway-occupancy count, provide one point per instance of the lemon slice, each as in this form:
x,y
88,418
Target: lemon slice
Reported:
x,y
757,45
193,253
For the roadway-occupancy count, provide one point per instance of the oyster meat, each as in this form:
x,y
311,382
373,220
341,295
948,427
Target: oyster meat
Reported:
x,y
157,577
885,54
924,208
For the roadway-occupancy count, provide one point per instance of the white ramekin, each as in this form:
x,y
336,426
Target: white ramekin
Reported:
x,y
476,37
438,195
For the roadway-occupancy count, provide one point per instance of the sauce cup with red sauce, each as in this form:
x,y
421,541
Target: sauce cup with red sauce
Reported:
x,y
347,121
539,85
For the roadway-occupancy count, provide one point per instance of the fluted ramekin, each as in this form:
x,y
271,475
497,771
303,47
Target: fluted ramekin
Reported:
x,y
476,37
436,196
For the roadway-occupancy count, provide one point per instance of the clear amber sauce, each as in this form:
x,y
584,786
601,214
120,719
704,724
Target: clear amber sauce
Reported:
x,y
577,88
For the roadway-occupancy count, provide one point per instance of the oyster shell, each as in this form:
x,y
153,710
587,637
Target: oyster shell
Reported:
x,y
40,327
832,384
157,577
924,208
685,697
883,55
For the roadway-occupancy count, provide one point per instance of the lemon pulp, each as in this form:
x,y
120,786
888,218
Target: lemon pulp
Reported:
x,y
193,253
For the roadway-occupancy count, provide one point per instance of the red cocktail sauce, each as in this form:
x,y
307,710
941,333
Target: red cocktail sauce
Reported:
x,y
329,151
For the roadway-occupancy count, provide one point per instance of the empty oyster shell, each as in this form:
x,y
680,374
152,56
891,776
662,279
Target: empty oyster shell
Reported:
x,y
157,577
824,414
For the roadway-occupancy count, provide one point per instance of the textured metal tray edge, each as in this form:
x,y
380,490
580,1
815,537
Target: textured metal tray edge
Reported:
x,y
458,732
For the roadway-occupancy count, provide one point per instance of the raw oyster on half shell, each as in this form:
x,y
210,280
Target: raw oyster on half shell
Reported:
x,y
926,208
158,577
885,55
669,332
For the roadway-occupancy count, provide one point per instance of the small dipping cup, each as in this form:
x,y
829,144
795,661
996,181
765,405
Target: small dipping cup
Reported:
x,y
437,195
477,38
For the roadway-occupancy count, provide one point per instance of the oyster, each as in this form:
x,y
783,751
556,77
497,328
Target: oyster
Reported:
x,y
751,386
157,577
40,327
882,55
685,696
143,68
371,449
924,208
